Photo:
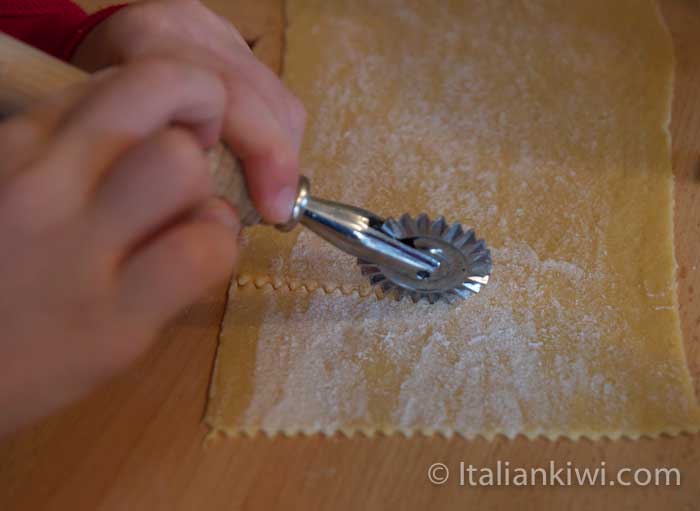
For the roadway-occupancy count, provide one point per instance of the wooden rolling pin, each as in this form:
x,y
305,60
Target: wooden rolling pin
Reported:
x,y
28,75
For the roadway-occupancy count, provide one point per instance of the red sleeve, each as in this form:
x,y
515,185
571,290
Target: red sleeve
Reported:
x,y
54,26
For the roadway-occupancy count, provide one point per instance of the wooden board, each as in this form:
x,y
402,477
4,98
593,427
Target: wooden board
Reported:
x,y
138,442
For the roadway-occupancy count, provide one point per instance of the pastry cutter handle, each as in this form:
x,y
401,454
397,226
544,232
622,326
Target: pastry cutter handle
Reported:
x,y
28,75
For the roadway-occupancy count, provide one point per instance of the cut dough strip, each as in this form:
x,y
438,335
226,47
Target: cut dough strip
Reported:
x,y
542,124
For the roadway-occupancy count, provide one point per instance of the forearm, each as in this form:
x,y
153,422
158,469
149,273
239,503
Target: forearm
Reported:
x,y
54,26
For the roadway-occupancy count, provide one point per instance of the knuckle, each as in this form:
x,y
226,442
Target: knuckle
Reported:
x,y
158,19
174,76
156,71
146,18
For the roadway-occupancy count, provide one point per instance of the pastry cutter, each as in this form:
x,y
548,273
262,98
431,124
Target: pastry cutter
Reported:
x,y
418,258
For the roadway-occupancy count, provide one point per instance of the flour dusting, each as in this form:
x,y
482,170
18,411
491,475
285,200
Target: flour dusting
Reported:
x,y
540,124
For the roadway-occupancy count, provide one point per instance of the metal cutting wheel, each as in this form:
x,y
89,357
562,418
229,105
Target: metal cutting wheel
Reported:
x,y
465,261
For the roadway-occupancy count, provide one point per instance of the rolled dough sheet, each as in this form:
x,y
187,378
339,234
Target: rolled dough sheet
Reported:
x,y
544,125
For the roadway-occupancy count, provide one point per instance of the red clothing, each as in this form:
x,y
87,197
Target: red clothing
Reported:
x,y
54,26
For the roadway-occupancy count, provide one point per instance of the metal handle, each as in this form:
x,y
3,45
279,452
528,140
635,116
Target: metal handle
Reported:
x,y
27,75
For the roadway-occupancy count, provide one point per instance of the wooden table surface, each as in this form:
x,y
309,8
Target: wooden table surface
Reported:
x,y
138,442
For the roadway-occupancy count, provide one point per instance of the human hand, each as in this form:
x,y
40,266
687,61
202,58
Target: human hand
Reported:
x,y
108,227
264,122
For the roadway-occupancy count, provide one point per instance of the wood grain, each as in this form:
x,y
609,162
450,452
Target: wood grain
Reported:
x,y
138,442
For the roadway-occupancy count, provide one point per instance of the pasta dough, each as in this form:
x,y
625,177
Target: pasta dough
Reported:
x,y
542,124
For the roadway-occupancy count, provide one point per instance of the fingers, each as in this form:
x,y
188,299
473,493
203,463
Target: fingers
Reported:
x,y
271,164
149,187
180,265
131,105
264,127
264,124
269,157
286,108
23,132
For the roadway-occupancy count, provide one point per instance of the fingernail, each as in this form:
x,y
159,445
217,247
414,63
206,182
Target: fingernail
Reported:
x,y
283,204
